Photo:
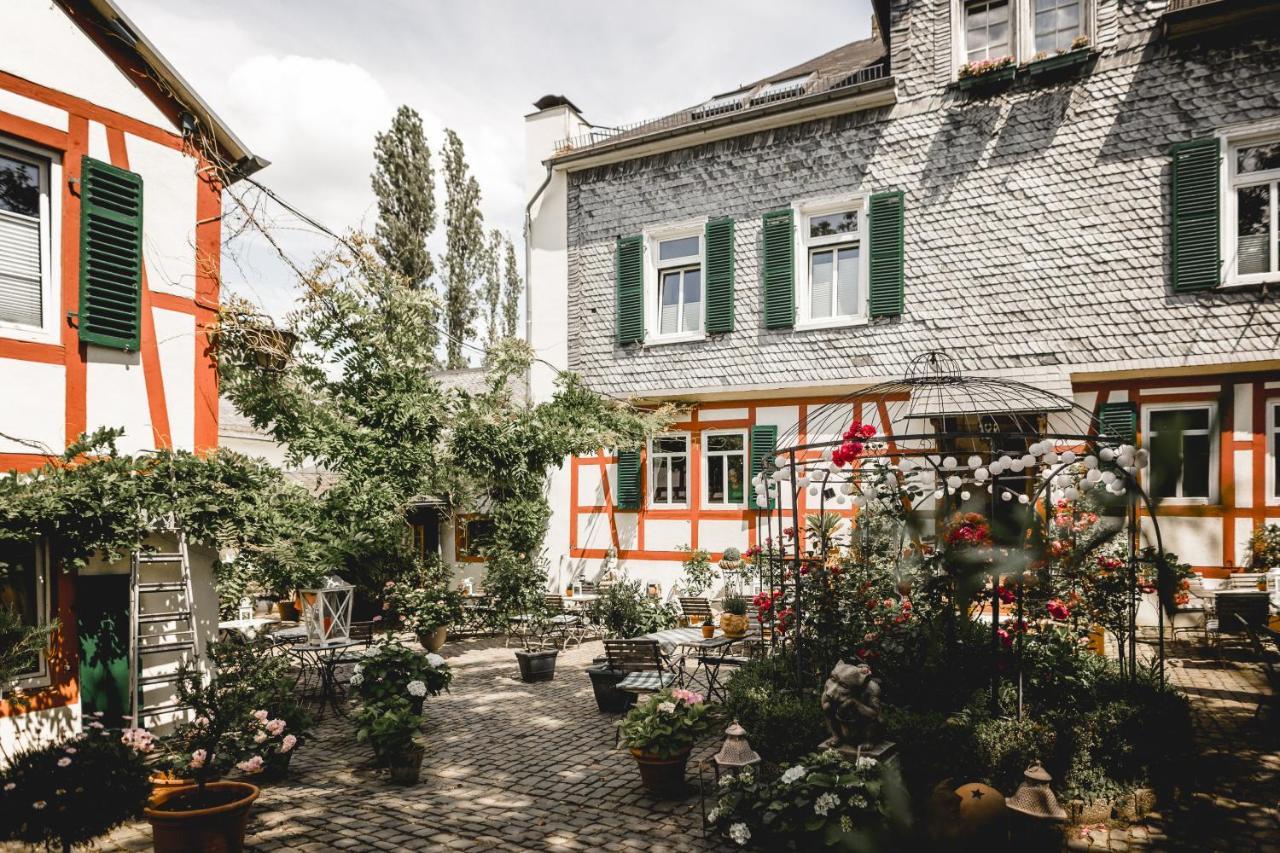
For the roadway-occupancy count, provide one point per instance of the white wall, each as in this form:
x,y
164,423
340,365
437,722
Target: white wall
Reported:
x,y
35,408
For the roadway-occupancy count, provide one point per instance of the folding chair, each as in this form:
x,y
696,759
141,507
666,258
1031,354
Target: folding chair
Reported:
x,y
696,610
564,627
1194,615
642,661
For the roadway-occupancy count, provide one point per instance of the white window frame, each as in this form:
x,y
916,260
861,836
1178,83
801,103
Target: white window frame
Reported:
x,y
1272,432
688,469
1022,31
50,165
1229,140
804,209
40,676
652,279
707,453
1214,437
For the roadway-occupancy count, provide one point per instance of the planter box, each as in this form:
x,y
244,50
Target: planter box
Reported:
x,y
1061,64
988,82
537,666
609,699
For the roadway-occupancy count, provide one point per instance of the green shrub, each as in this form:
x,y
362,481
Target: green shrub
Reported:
x,y
625,611
781,712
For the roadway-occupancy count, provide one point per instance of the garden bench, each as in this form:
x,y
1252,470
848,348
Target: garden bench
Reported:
x,y
642,661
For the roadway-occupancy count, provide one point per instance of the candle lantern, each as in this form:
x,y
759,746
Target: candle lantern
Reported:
x,y
1034,798
326,611
736,755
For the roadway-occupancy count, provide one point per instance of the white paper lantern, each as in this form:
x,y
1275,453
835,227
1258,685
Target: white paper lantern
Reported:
x,y
975,461
1141,459
953,482
1051,457
1008,496
981,474
326,611
1022,499
1017,465
965,495
1108,477
1106,454
1028,460
1068,456
949,463
1070,493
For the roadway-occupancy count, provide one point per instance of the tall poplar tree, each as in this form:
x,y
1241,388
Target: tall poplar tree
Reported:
x,y
511,293
463,259
492,289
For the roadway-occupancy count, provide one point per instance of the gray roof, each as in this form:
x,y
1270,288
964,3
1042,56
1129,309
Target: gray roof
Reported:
x,y
474,380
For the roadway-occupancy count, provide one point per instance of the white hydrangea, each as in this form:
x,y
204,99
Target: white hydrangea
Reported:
x,y
825,803
713,815
793,774
357,679
357,669
667,707
416,688
866,762
740,834
435,660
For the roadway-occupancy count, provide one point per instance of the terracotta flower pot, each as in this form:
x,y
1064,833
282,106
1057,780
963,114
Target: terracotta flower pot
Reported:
x,y
180,825
733,625
405,767
163,781
664,777
433,641
708,630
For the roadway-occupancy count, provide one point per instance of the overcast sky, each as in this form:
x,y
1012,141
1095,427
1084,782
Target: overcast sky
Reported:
x,y
307,84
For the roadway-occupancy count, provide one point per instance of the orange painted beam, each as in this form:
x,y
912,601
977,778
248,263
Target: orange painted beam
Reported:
x,y
31,351
208,279
80,108
76,365
33,131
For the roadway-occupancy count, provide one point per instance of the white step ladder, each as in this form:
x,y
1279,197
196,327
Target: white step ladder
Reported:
x,y
178,640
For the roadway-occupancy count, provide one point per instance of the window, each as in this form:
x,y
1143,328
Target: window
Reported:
x,y
24,581
472,536
725,467
669,470
1254,239
1273,452
676,297
834,290
1057,24
986,30
25,216
1184,464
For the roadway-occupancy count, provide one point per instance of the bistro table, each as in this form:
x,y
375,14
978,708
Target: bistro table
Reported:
x,y
249,629
322,659
709,655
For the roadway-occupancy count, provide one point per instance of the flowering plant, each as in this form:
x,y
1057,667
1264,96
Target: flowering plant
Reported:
x,y
668,723
854,440
72,792
1264,547
699,573
389,726
823,800
424,604
391,670
985,67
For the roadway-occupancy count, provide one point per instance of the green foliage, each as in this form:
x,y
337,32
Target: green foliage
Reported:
x,y
72,792
423,601
779,708
393,671
464,248
404,184
511,287
20,646
625,611
735,604
1264,547
667,723
390,727
699,574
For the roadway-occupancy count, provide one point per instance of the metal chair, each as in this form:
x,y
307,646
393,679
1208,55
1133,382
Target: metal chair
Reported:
x,y
588,587
695,609
642,661
1196,614
562,626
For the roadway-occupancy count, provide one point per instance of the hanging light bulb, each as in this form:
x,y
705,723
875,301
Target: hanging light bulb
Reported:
x,y
949,463
846,488
1108,477
907,464
1017,465
813,491
1085,485
1068,456
1091,462
975,462
826,454
1093,476
1028,460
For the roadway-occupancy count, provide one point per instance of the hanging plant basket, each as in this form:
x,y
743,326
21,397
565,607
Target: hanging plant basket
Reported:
x,y
1059,65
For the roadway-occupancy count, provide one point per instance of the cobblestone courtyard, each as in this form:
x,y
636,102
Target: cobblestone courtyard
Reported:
x,y
512,766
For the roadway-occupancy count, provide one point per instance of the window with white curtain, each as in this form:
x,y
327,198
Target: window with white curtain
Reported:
x,y
1253,204
676,298
669,470
24,239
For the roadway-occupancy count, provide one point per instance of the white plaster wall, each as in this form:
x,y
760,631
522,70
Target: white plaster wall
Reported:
x,y
590,487
169,215
662,534
40,43
721,414
1243,426
1244,527
785,419
37,728
717,534
263,448
98,149
175,341
116,396
33,110
1243,477
35,408
593,530
1197,541
628,524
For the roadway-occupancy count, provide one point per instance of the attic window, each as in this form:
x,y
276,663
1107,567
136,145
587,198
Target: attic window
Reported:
x,y
781,89
721,104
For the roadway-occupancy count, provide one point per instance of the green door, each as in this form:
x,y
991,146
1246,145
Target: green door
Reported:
x,y
102,622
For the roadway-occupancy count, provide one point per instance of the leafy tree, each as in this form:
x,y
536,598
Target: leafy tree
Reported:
x,y
404,183
463,259
511,292
492,291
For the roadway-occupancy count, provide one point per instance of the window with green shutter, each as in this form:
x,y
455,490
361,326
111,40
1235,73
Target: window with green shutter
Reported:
x,y
1119,421
764,441
886,227
779,270
719,261
630,290
1196,241
628,496
110,255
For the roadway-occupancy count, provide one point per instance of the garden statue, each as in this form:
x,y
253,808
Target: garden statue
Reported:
x,y
851,704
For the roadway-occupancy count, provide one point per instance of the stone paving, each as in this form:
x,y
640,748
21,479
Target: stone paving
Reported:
x,y
513,767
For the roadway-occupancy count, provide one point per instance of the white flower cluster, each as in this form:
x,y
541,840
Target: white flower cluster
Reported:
x,y
740,834
825,804
416,688
357,679
866,762
793,774
713,815
667,707
435,660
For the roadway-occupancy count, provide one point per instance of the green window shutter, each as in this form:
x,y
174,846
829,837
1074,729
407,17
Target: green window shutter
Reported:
x,y
764,440
630,290
719,254
110,255
1119,421
628,480
886,227
1197,251
779,270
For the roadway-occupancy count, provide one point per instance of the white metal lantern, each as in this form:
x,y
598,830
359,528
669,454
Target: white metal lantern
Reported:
x,y
326,611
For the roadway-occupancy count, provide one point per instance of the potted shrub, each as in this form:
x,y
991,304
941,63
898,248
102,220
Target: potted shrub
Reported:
x,y
391,726
623,610
699,573
661,732
1264,548
391,670
70,793
1045,64
426,605
733,621
537,664
609,699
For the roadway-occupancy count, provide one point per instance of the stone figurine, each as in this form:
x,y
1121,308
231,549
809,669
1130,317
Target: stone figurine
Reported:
x,y
851,704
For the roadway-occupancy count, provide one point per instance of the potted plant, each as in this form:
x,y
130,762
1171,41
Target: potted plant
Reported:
x,y
609,699
1044,63
733,621
661,732
72,792
391,727
391,670
426,605
1264,548
623,610
699,573
987,74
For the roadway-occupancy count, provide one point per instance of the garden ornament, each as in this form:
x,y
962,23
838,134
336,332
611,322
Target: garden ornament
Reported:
x,y
736,754
1034,798
851,704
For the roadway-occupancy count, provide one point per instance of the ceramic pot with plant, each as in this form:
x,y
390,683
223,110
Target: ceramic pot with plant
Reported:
x,y
661,732
733,621
391,726
731,560
391,670
72,792
708,630
426,604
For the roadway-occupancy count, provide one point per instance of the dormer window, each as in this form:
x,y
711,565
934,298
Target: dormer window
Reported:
x,y
986,30
781,89
989,30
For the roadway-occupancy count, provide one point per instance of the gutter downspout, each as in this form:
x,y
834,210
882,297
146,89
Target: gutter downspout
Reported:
x,y
528,277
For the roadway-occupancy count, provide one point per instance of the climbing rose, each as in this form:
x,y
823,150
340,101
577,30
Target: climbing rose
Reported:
x,y
289,742
1058,610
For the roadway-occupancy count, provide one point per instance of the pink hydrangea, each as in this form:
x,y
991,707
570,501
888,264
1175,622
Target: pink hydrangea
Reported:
x,y
289,742
275,728
252,765
689,697
198,758
261,716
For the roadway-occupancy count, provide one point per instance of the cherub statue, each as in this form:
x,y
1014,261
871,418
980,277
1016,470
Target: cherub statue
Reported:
x,y
851,704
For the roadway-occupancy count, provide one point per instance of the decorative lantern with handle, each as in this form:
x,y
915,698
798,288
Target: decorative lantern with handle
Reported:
x,y
326,611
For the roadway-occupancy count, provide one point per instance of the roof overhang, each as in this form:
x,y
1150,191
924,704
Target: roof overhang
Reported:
x,y
870,95
108,26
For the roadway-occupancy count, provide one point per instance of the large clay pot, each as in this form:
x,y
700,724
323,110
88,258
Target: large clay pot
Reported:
x,y
733,625
176,827
433,641
405,767
163,781
664,777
